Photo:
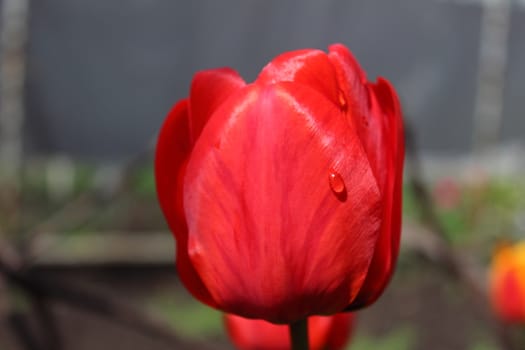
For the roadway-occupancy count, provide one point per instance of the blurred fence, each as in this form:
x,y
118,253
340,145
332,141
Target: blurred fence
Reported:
x,y
91,81
101,75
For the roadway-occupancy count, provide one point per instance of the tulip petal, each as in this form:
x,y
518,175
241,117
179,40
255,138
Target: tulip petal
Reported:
x,y
364,111
173,147
248,334
324,332
351,80
340,330
376,113
267,235
312,68
209,89
388,143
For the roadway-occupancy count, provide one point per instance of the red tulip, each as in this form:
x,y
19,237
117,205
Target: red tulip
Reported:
x,y
284,195
324,332
507,283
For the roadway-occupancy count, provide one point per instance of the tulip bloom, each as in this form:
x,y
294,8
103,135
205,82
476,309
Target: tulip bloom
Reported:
x,y
325,332
284,195
507,283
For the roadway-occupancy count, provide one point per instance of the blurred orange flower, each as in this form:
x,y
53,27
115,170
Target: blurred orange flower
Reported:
x,y
507,283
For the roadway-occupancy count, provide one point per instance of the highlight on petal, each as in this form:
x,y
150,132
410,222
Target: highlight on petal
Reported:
x,y
312,68
173,148
209,89
266,233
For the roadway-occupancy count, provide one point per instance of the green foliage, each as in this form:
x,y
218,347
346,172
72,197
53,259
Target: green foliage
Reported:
x,y
483,212
483,345
402,338
83,178
410,205
455,224
143,181
189,317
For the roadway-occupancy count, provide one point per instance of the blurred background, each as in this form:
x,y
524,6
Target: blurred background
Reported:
x,y
85,255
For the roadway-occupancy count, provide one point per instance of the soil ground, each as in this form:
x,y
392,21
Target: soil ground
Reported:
x,y
421,310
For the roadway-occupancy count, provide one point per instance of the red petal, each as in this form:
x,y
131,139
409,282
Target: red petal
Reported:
x,y
309,67
324,332
248,334
266,234
351,80
209,89
387,145
173,147
340,331
375,112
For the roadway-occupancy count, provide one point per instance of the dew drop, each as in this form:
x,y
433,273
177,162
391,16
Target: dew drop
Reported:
x,y
342,100
336,183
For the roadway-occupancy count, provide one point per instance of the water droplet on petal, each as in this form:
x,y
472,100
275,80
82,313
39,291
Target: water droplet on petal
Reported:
x,y
336,183
343,104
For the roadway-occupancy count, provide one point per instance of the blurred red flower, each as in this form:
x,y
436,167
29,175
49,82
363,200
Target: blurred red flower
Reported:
x,y
507,283
324,332
284,195
447,193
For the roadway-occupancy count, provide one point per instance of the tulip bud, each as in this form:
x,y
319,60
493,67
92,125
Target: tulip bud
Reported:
x,y
507,283
325,332
284,195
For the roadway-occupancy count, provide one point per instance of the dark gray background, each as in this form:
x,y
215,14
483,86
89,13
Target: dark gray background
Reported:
x,y
103,73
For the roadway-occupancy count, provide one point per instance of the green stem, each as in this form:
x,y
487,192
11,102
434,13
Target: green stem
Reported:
x,y
299,335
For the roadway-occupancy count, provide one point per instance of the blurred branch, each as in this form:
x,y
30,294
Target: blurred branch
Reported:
x,y
80,209
17,321
140,249
87,299
433,243
13,37
436,244
19,324
50,333
427,242
74,211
